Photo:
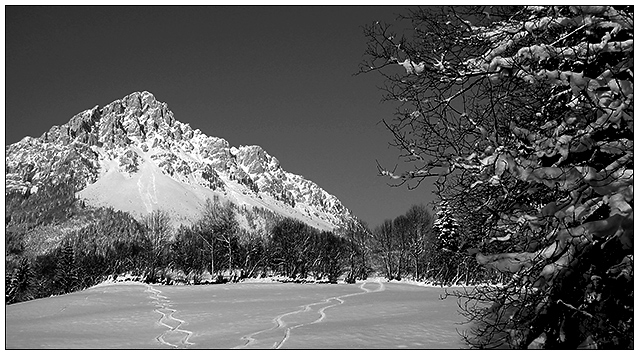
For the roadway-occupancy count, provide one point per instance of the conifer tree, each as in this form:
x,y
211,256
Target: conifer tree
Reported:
x,y
447,228
66,275
20,283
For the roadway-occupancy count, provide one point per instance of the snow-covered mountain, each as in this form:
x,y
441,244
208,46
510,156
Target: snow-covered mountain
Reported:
x,y
133,155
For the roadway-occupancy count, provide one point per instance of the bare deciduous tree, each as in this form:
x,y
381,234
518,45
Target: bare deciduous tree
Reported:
x,y
219,224
157,227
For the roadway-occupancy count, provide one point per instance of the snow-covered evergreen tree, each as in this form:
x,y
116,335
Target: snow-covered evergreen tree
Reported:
x,y
446,227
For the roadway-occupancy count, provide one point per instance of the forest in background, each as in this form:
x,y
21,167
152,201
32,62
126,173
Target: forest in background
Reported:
x,y
56,244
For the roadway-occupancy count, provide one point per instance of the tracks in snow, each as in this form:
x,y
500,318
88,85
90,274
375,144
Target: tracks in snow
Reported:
x,y
278,334
174,337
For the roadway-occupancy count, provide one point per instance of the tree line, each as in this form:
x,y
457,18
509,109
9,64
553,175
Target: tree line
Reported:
x,y
216,244
69,246
420,246
47,254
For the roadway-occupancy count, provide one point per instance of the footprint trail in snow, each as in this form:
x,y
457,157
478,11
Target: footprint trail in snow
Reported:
x,y
309,314
174,336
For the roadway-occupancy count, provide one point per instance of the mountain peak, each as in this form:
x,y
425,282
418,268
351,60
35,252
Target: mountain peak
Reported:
x,y
133,155
136,115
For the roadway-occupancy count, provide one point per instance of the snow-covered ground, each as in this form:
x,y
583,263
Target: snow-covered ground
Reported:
x,y
369,315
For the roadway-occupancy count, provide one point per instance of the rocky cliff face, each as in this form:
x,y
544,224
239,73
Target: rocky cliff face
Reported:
x,y
133,149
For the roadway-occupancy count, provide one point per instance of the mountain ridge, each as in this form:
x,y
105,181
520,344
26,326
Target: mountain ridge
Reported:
x,y
133,155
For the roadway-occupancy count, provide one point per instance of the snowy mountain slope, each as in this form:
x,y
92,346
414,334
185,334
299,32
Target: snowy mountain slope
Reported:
x,y
134,156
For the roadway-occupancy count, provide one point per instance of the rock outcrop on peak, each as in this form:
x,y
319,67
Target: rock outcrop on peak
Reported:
x,y
133,154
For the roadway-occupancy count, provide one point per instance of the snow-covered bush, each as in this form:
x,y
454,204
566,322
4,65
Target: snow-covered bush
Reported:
x,y
525,115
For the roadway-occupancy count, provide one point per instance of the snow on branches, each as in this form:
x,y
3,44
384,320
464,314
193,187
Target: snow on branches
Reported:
x,y
593,106
530,122
446,227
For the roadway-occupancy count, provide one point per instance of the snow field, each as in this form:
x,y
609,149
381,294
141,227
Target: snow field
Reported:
x,y
114,316
369,315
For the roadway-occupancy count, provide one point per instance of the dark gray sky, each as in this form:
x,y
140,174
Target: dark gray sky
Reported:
x,y
280,77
